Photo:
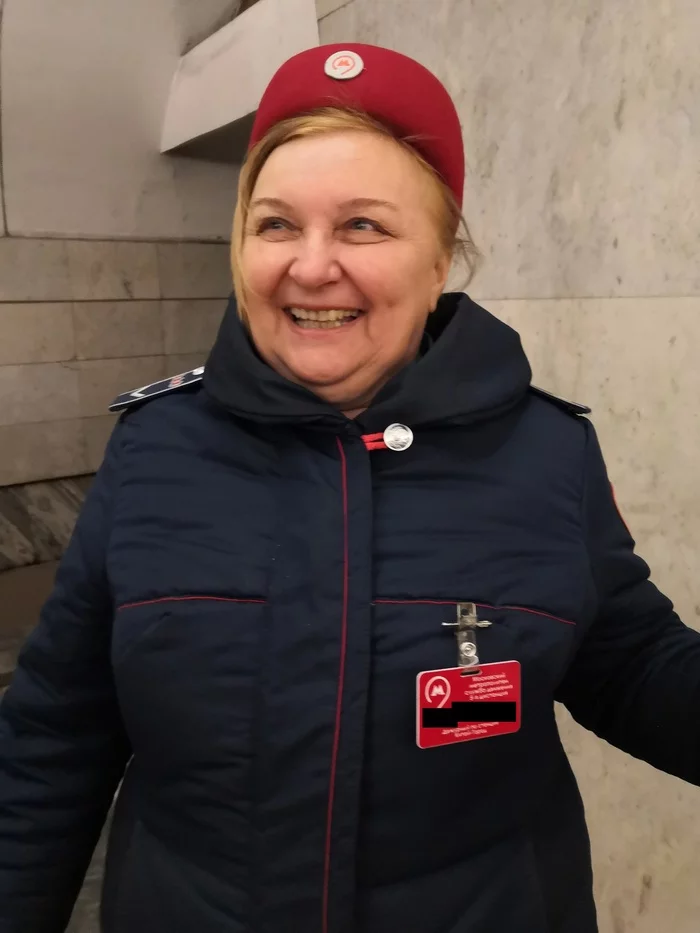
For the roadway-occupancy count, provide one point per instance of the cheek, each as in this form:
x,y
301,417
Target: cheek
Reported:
x,y
397,281
386,273
368,274
262,268
401,270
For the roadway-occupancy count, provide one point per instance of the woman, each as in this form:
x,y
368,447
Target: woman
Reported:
x,y
318,607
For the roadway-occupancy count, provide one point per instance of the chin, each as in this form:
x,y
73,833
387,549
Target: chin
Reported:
x,y
321,381
316,371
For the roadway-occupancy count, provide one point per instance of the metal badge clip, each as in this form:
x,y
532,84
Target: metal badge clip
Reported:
x,y
466,625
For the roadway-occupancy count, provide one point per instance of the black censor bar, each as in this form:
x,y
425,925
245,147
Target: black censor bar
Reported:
x,y
458,713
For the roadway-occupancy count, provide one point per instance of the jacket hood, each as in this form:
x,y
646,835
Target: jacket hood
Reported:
x,y
473,368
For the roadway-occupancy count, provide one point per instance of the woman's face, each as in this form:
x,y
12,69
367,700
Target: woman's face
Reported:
x,y
342,263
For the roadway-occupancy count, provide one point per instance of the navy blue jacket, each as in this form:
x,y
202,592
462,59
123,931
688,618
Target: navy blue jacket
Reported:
x,y
236,631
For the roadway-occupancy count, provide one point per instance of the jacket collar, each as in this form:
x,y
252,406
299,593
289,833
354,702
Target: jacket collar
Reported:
x,y
473,369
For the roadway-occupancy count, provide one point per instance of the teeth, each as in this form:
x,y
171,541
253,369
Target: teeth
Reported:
x,y
341,315
323,325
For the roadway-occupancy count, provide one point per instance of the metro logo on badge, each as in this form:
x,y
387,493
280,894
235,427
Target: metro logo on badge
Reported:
x,y
342,66
453,706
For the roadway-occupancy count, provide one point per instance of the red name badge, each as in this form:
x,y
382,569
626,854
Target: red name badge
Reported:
x,y
456,707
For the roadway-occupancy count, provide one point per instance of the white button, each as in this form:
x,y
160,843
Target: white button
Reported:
x,y
199,371
398,437
344,65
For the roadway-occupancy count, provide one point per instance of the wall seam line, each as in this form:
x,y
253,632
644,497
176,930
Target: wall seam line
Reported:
x,y
121,238
326,15
3,208
102,301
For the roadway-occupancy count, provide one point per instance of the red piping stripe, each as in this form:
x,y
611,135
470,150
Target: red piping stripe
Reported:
x,y
418,602
339,697
453,602
187,599
535,612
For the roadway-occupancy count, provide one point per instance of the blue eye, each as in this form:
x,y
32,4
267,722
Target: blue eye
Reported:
x,y
271,223
363,225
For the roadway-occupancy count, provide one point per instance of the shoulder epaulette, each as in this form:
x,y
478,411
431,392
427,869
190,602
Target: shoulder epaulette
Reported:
x,y
164,387
572,408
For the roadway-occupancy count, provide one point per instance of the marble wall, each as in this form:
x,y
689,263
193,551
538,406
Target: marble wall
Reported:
x,y
114,263
114,267
581,120
3,224
84,97
82,321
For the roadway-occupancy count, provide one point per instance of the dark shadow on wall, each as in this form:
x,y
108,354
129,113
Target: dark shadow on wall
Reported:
x,y
22,594
227,144
36,524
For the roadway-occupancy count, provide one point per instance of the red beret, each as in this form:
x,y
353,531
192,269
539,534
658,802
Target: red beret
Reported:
x,y
394,89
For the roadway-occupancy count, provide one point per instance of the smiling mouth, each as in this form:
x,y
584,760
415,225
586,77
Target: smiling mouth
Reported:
x,y
327,319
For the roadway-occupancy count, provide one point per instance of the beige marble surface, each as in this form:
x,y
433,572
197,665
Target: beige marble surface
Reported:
x,y
34,270
326,7
201,19
36,333
194,270
38,393
2,193
102,270
30,452
81,322
191,326
582,127
38,270
113,329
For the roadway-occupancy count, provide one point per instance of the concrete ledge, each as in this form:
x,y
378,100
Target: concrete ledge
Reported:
x,y
222,80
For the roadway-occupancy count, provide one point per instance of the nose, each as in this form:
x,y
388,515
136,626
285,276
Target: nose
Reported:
x,y
315,263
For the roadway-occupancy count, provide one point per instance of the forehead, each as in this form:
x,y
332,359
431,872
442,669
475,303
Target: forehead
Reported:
x,y
341,166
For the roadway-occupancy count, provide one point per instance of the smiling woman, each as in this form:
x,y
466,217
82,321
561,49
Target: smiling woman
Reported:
x,y
335,300
324,593
343,238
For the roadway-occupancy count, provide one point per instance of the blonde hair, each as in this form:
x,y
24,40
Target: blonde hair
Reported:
x,y
455,238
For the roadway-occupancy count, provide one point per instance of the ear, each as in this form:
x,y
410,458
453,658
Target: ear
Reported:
x,y
441,270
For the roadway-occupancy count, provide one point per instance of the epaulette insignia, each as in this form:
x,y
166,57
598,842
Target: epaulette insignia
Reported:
x,y
164,387
573,408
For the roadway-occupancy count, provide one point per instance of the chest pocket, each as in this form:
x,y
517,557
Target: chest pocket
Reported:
x,y
186,672
410,635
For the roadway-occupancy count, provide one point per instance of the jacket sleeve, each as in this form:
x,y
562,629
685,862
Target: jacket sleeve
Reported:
x,y
62,745
635,680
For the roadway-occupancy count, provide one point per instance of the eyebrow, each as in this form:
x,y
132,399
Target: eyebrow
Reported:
x,y
354,203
